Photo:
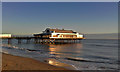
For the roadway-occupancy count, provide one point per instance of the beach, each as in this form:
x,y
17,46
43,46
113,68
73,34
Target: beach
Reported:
x,y
10,62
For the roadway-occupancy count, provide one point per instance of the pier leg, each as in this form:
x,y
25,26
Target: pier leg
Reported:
x,y
42,41
28,41
74,41
19,41
70,41
9,41
39,40
54,41
67,41
35,40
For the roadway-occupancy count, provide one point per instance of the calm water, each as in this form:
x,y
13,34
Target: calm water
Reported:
x,y
90,54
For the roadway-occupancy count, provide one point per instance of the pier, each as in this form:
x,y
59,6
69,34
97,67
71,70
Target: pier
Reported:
x,y
49,36
43,40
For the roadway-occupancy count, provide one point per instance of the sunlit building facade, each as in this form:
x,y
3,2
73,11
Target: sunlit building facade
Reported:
x,y
5,35
59,34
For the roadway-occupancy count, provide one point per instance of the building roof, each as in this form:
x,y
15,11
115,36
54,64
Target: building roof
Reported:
x,y
56,31
41,34
61,31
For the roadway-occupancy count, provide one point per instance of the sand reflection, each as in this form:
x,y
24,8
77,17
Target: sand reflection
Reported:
x,y
59,64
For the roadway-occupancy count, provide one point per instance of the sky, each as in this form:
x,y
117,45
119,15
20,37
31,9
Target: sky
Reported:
x,y
24,18
0,17
60,0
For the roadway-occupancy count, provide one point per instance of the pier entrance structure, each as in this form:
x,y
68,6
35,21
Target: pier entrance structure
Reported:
x,y
59,34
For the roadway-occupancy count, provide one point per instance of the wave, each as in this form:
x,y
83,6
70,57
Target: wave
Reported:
x,y
99,57
103,45
32,50
12,47
88,60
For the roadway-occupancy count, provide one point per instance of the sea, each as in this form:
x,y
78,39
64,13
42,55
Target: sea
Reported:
x,y
88,54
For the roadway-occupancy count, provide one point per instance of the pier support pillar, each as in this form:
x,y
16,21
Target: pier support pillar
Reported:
x,y
9,40
28,41
19,41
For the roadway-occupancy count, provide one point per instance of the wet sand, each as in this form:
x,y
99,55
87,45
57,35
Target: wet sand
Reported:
x,y
10,62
